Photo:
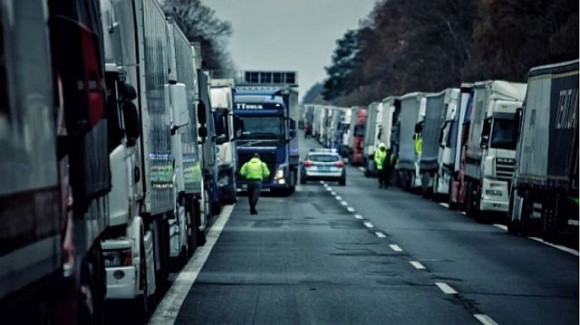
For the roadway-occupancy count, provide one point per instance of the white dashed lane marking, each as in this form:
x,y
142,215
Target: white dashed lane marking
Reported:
x,y
446,288
396,248
361,169
417,265
443,204
368,224
484,319
343,203
338,197
380,234
358,216
350,209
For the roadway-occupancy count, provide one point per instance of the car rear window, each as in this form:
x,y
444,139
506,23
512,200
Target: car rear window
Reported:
x,y
323,158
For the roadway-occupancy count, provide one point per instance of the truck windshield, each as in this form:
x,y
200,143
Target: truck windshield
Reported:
x,y
502,134
262,127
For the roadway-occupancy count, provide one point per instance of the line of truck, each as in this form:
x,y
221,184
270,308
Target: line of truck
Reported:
x,y
491,148
118,151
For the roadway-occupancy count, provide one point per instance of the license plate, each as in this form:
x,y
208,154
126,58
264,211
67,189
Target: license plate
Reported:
x,y
324,169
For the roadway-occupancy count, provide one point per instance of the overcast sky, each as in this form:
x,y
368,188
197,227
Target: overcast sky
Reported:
x,y
288,34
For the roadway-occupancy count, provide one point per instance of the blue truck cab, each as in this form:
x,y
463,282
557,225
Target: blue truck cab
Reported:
x,y
266,107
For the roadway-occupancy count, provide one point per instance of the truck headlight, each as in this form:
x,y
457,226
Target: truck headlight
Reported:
x,y
223,181
279,174
493,193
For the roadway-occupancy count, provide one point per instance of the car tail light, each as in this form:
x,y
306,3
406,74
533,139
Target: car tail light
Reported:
x,y
308,163
339,164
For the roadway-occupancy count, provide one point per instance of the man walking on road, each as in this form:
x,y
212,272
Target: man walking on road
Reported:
x,y
380,157
254,171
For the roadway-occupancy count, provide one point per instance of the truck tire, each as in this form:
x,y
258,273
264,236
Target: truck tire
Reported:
x,y
141,304
94,277
192,214
512,225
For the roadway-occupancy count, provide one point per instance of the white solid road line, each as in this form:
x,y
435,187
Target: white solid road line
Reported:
x,y
502,227
358,216
343,203
380,234
562,248
484,319
350,209
417,265
168,308
368,224
396,248
539,240
443,204
446,288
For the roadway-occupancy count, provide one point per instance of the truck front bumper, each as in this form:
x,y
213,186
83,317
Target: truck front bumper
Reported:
x,y
494,195
121,282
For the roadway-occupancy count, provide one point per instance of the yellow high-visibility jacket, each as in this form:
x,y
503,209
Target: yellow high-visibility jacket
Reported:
x,y
255,170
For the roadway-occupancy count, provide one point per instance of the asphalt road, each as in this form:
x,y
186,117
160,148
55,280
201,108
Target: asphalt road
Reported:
x,y
373,256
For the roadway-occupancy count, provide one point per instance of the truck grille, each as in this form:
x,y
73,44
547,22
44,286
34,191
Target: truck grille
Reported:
x,y
504,168
267,157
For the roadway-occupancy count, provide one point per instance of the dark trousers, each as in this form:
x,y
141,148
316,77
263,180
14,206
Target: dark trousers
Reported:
x,y
254,188
384,176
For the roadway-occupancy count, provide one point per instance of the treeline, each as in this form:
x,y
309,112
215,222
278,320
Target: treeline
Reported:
x,y
201,25
429,45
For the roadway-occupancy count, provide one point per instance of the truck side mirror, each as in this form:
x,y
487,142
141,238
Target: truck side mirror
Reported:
x,y
484,141
292,132
202,133
201,116
517,124
132,126
238,127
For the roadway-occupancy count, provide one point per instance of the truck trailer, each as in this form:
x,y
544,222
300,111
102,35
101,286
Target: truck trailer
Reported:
x,y
412,113
544,191
371,139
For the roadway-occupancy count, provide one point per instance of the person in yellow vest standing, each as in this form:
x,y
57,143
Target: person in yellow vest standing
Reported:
x,y
254,171
379,158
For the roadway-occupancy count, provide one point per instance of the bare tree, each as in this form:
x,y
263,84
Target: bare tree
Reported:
x,y
200,24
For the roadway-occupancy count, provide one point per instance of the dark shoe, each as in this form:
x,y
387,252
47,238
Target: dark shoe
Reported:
x,y
253,211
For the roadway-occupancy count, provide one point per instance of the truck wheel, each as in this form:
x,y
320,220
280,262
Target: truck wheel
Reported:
x,y
452,205
92,305
141,303
191,227
216,208
368,168
512,225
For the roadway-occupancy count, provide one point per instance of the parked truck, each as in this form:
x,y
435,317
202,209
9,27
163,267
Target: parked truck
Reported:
x,y
458,138
544,191
413,107
222,102
356,135
54,167
155,164
266,103
490,147
371,139
435,131
212,198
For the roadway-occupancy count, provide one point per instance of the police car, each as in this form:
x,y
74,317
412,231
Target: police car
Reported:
x,y
323,164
